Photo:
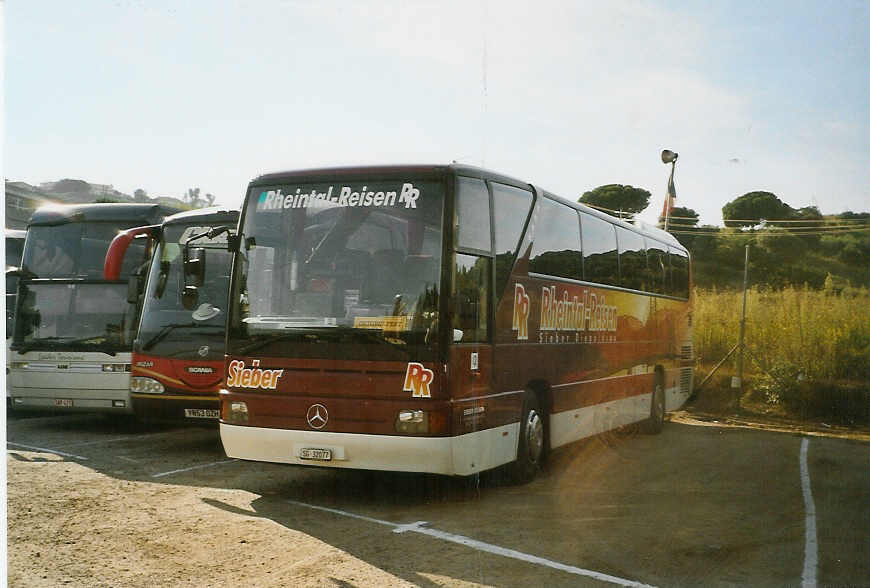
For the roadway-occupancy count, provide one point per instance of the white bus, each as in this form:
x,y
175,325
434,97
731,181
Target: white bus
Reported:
x,y
73,328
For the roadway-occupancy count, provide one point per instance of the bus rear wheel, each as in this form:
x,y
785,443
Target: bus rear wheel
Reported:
x,y
530,449
656,421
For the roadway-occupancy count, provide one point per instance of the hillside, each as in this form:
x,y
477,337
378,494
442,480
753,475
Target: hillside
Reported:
x,y
835,250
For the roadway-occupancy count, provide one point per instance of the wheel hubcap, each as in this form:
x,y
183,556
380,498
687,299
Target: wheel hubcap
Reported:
x,y
534,436
659,405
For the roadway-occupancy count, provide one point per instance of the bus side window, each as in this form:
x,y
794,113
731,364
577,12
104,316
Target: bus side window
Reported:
x,y
632,260
472,215
470,298
679,273
600,261
657,263
511,207
556,248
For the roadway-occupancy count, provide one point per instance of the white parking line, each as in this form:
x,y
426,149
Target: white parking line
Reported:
x,y
44,450
169,433
196,467
419,527
811,545
99,441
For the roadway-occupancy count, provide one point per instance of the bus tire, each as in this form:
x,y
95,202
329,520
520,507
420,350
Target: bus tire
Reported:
x,y
656,421
530,448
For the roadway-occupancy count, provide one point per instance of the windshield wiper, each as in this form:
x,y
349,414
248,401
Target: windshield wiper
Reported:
x,y
61,343
171,327
330,333
272,337
162,333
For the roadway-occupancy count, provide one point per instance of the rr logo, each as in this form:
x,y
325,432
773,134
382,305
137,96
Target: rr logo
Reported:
x,y
417,380
521,312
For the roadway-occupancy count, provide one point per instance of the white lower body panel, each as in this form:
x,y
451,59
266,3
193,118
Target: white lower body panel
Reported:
x,y
571,425
79,386
463,455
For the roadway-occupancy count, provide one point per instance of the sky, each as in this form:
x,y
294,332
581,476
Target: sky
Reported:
x,y
167,96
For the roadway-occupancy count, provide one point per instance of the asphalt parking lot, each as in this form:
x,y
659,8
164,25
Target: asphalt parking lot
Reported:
x,y
96,502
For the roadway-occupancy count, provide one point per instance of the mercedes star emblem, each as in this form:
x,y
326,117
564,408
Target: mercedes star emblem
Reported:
x,y
317,416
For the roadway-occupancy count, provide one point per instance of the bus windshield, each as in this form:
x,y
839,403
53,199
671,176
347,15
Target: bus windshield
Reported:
x,y
65,302
350,262
57,315
168,329
76,250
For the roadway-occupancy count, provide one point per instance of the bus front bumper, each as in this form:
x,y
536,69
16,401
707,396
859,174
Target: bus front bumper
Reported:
x,y
193,409
63,399
462,455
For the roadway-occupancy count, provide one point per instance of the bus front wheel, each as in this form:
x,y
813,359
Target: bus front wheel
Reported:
x,y
530,449
656,420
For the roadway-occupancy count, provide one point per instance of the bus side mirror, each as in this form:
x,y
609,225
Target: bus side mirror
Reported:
x,y
189,297
133,289
194,267
194,275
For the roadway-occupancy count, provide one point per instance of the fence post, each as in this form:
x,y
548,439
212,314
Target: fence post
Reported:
x,y
742,328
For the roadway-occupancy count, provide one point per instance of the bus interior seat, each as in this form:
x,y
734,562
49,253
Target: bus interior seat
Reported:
x,y
382,282
418,271
352,264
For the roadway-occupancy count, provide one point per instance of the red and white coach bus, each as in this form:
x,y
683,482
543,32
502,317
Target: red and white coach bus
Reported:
x,y
444,319
178,351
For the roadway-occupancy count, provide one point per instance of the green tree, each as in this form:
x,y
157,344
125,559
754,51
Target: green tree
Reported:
x,y
617,197
192,198
753,207
682,220
140,195
683,216
809,217
780,244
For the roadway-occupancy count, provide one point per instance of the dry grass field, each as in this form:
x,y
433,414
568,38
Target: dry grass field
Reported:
x,y
807,351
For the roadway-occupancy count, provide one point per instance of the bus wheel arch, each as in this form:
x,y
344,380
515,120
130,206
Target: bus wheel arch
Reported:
x,y
654,424
533,437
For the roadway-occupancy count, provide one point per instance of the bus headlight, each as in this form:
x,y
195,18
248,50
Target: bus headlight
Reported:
x,y
140,385
412,422
235,412
116,367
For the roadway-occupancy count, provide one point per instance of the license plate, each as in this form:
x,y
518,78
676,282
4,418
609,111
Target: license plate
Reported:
x,y
316,453
201,413
66,402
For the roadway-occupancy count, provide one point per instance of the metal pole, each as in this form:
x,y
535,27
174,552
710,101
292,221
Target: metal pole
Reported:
x,y
742,327
668,197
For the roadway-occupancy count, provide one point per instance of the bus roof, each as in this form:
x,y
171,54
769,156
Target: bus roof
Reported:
x,y
58,214
212,214
386,170
458,169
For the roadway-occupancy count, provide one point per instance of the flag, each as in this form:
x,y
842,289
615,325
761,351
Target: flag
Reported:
x,y
669,201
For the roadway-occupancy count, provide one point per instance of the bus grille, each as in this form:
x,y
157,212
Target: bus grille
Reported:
x,y
686,351
685,380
